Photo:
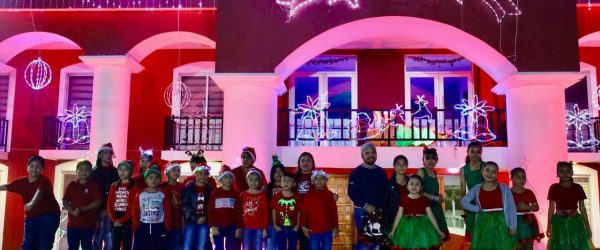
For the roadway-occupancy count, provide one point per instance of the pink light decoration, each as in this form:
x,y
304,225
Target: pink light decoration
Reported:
x,y
293,6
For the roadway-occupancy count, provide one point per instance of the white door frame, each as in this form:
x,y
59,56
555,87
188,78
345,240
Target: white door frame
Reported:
x,y
3,179
592,176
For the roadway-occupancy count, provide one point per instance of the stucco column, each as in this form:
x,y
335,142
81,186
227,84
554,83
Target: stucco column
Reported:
x,y
536,127
250,115
110,101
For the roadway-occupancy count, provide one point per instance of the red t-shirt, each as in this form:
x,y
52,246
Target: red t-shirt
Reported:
x,y
416,206
46,205
174,192
240,184
491,199
80,195
303,184
222,208
319,211
254,211
566,198
286,209
526,197
120,201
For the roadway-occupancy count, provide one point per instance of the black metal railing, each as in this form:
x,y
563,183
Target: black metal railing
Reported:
x,y
3,134
399,127
66,134
194,133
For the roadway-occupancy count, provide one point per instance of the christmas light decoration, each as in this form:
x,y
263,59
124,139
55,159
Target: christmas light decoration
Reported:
x,y
311,114
509,8
75,127
422,111
106,4
293,6
38,74
181,92
376,127
579,129
476,126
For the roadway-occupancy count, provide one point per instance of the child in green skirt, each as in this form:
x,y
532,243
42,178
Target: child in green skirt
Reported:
x,y
415,226
496,220
470,175
528,229
568,225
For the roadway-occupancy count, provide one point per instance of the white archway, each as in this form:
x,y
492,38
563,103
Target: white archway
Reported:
x,y
590,40
170,40
440,34
16,44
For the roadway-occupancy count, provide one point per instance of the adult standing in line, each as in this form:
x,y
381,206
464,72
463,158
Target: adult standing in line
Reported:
x,y
367,188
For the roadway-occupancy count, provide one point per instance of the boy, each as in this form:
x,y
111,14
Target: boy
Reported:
x,y
222,212
82,199
285,213
319,213
151,214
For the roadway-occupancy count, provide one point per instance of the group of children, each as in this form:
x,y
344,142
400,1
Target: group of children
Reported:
x,y
243,209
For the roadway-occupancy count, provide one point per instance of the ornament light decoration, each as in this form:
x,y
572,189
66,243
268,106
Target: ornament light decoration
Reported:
x,y
38,74
177,95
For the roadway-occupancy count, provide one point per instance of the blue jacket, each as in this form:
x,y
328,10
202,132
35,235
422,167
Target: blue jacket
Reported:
x,y
508,202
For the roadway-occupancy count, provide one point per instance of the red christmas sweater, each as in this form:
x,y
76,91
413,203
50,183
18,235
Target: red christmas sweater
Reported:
x,y
152,208
223,208
239,182
253,211
175,192
120,201
319,211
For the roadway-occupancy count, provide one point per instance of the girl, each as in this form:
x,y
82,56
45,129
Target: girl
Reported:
x,y
42,214
146,157
397,187
105,174
120,203
568,225
195,205
222,212
196,160
273,188
254,211
415,226
470,175
306,164
248,158
431,188
496,222
527,225
174,189
319,216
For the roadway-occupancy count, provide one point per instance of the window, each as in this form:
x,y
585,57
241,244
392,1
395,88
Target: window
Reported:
x,y
79,92
206,99
3,95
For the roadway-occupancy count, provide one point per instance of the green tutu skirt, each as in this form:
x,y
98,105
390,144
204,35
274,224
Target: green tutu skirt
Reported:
x,y
528,229
569,232
491,233
414,232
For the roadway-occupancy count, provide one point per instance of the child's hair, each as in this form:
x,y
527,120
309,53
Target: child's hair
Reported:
x,y
83,163
568,164
397,158
288,174
298,170
430,152
37,158
514,171
492,163
99,160
274,170
472,144
417,177
196,157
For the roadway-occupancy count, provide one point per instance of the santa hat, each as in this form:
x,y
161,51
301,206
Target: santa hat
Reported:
x,y
250,151
127,163
225,173
171,166
316,173
253,171
146,153
107,146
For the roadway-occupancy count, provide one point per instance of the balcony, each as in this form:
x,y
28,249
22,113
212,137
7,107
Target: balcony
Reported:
x,y
394,128
66,133
194,133
3,134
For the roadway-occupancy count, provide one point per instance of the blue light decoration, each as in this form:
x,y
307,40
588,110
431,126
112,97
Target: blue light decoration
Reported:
x,y
476,126
75,127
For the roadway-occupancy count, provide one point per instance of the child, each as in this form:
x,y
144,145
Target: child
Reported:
x,y
174,189
254,211
120,204
527,224
195,160
568,225
151,214
195,203
319,213
273,188
286,213
470,175
415,226
222,212
496,223
42,214
306,164
82,199
248,158
105,174
431,188
146,157
397,188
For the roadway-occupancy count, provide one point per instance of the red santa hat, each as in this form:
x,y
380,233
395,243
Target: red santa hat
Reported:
x,y
106,146
250,151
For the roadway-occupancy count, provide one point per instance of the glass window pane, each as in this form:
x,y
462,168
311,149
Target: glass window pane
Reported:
x,y
306,86
340,96
422,86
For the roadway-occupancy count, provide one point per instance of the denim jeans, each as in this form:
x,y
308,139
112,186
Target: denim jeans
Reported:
x,y
151,237
103,234
271,240
40,232
83,237
287,238
196,236
252,239
226,234
322,241
174,238
359,217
